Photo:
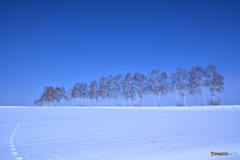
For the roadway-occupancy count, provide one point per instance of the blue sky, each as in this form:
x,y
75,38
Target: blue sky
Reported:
x,y
56,43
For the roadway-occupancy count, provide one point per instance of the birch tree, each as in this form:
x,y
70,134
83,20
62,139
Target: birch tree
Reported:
x,y
93,92
182,74
119,81
112,87
158,84
165,85
175,84
85,92
136,86
81,90
56,94
194,82
74,94
203,78
215,81
129,88
143,86
67,96
38,102
62,93
124,91
44,95
190,85
101,90
107,89
152,85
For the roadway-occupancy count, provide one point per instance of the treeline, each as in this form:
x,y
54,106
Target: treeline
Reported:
x,y
131,88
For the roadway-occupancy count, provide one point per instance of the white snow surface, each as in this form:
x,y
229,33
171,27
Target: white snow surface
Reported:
x,y
119,133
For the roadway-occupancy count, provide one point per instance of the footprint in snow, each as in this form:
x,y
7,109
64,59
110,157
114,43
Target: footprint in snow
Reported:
x,y
11,143
14,153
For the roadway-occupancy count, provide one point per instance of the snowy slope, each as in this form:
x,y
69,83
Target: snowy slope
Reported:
x,y
119,133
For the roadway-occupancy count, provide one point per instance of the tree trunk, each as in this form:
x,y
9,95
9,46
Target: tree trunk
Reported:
x,y
106,100
184,97
118,99
158,98
129,101
143,99
197,97
176,94
134,99
111,99
165,99
214,102
203,92
191,99
137,98
153,99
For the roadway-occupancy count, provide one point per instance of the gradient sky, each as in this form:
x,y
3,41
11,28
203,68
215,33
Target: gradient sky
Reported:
x,y
62,42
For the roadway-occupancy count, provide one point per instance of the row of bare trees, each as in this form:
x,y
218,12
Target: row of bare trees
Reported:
x,y
132,87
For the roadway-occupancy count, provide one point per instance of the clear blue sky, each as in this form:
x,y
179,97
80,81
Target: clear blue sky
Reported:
x,y
56,43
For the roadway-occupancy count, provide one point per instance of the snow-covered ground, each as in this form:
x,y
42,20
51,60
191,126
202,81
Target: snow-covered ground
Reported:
x,y
119,133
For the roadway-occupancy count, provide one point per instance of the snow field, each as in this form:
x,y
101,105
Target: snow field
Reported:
x,y
118,133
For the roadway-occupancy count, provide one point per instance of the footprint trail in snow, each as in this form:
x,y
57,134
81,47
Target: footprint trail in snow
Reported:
x,y
11,142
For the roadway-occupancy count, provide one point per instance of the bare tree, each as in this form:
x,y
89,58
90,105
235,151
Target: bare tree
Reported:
x,y
152,85
74,94
107,89
101,89
190,85
194,83
81,91
129,88
44,95
112,87
67,96
136,86
143,86
38,102
165,86
56,95
93,92
62,93
119,81
124,91
182,74
85,92
50,94
158,84
175,83
215,81
202,73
